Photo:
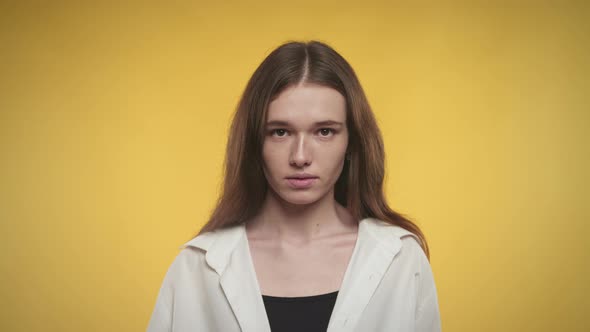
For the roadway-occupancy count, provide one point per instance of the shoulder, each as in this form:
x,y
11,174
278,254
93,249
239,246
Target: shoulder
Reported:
x,y
208,251
189,260
399,239
209,240
384,231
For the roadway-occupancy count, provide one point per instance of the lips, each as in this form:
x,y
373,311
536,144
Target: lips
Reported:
x,y
301,181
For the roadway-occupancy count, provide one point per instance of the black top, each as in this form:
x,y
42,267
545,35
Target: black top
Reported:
x,y
306,313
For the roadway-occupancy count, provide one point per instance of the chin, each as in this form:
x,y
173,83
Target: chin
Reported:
x,y
299,201
301,198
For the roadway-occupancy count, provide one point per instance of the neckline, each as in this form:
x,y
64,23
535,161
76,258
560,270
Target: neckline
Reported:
x,y
309,298
357,244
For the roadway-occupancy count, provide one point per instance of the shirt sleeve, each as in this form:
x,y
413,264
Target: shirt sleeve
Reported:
x,y
427,311
161,319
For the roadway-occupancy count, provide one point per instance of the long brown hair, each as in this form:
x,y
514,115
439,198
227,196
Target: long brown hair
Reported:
x,y
359,187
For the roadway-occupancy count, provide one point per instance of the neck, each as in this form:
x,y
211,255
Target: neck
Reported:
x,y
282,220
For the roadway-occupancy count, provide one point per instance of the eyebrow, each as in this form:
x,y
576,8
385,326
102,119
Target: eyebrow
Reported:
x,y
320,123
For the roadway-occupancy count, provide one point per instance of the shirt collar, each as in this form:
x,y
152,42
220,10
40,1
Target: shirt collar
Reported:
x,y
219,244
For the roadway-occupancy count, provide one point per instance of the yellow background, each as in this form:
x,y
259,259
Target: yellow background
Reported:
x,y
114,117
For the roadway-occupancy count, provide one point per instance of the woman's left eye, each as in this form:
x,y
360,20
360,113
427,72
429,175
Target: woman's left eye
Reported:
x,y
326,131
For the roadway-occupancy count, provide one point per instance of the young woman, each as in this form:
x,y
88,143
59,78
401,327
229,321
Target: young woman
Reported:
x,y
302,238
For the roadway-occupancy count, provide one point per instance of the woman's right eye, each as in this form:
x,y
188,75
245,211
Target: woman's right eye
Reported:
x,y
278,132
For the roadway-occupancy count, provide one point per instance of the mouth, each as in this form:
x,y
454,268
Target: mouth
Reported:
x,y
301,181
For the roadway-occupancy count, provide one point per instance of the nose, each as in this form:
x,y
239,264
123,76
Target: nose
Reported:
x,y
300,153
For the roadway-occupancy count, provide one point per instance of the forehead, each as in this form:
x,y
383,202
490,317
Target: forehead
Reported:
x,y
307,103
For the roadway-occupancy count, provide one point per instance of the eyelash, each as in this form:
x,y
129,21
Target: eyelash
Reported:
x,y
331,131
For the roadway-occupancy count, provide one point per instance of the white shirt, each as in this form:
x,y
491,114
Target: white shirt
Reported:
x,y
212,286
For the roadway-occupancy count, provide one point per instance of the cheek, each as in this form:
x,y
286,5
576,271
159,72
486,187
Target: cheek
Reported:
x,y
332,162
338,165
271,160
337,154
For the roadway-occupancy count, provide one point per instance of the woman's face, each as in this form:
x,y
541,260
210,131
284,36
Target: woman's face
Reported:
x,y
305,143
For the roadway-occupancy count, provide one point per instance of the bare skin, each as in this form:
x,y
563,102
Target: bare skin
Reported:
x,y
288,265
302,240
